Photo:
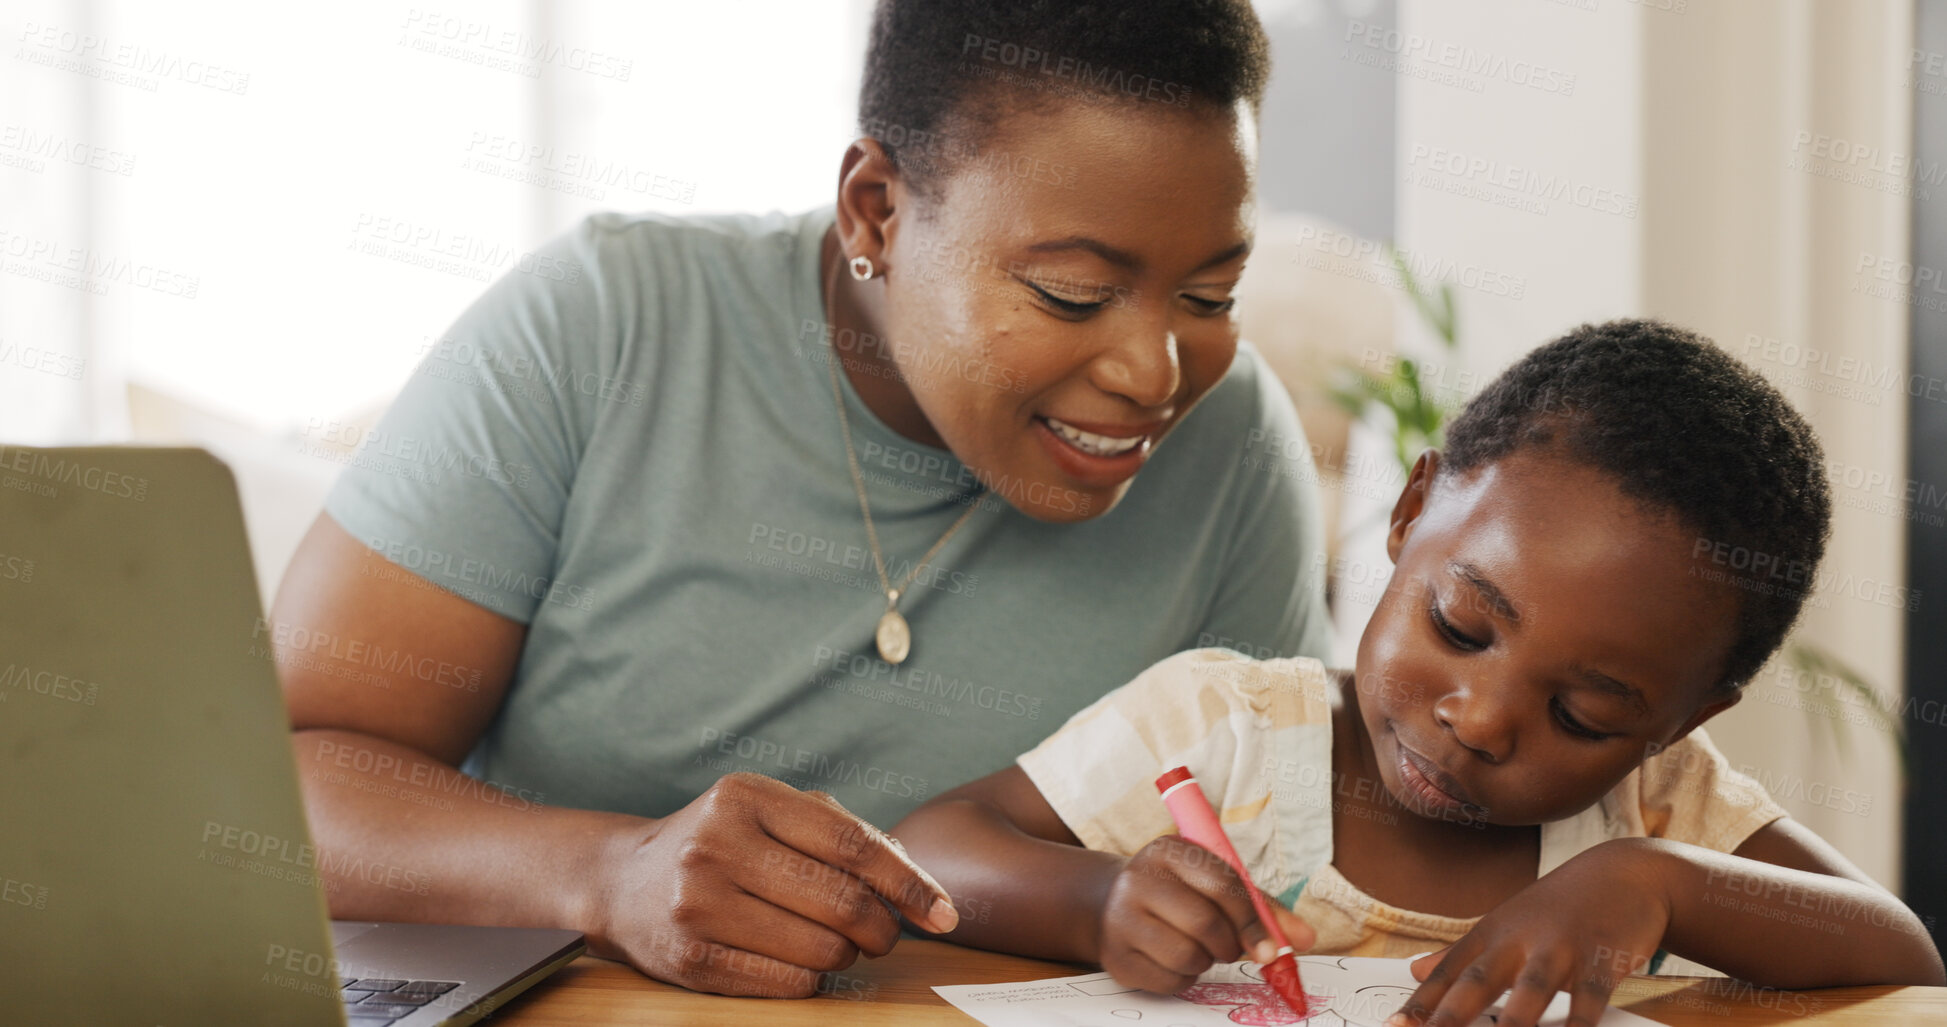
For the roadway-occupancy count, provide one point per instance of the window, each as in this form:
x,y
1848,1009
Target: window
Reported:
x,y
263,212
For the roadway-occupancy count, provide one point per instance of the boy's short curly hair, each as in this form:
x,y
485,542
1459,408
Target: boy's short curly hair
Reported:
x,y
940,74
1685,428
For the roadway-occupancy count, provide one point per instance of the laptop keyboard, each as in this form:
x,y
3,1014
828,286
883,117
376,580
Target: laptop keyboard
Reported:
x,y
377,1001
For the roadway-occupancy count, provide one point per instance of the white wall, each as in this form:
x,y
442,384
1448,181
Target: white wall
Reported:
x,y
1686,112
1751,240
1471,150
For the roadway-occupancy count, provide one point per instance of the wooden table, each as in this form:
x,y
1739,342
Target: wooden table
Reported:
x,y
898,989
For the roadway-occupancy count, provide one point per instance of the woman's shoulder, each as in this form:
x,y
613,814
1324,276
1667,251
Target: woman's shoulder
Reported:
x,y
731,230
616,274
1248,403
759,249
651,296
1242,441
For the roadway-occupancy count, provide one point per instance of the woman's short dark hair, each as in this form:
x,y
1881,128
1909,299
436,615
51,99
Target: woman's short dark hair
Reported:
x,y
939,74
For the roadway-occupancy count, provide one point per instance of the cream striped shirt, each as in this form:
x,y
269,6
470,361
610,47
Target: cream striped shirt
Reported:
x,y
1258,736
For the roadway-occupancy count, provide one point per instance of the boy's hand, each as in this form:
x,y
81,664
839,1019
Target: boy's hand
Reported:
x,y
1581,929
1175,909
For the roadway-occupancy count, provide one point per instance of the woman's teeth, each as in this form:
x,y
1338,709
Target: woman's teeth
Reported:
x,y
1091,443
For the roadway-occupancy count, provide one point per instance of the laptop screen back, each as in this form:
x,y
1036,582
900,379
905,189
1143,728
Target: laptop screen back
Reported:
x,y
155,866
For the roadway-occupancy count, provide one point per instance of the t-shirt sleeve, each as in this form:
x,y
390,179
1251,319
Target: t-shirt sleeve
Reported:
x,y
1690,793
1270,599
1211,710
465,479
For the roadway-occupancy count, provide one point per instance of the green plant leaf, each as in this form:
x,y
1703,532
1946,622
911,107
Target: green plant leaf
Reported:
x,y
1817,662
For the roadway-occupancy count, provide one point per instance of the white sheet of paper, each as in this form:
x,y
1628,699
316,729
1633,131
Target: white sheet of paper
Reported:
x,y
1344,991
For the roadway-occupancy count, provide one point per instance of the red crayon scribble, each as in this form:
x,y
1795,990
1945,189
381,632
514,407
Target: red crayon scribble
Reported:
x,y
1258,1005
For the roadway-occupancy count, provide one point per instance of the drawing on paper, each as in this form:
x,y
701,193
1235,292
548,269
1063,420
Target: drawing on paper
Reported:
x,y
1259,1005
1343,991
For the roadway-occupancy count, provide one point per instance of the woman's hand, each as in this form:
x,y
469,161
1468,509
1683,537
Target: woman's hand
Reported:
x,y
1175,910
1581,929
755,888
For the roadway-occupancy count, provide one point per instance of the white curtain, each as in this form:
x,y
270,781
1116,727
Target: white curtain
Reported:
x,y
1778,203
238,225
1697,145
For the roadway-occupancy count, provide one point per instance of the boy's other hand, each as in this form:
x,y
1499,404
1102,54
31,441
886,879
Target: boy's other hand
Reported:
x,y
1581,929
1175,910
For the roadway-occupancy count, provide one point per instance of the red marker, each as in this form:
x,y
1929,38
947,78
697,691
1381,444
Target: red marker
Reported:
x,y
1196,821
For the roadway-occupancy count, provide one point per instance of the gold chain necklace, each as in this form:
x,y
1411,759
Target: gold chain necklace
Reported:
x,y
894,636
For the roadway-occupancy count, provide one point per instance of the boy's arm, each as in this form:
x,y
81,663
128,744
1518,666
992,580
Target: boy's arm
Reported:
x,y
1020,878
1787,910
1023,883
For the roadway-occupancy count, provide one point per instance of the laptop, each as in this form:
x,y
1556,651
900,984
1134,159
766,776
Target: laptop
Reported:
x,y
155,865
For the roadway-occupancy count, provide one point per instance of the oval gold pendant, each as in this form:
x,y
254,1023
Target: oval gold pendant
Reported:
x,y
895,639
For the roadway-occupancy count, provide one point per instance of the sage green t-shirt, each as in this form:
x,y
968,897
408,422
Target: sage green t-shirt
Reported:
x,y
629,444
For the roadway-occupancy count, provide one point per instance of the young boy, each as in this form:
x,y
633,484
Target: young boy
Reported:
x,y
1513,768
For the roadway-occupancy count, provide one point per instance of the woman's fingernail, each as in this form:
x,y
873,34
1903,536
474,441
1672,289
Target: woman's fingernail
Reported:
x,y
1265,951
943,916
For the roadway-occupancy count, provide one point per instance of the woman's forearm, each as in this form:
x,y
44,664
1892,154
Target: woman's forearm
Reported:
x,y
1015,893
1787,928
403,836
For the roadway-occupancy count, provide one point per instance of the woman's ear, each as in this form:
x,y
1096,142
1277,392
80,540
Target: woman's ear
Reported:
x,y
1411,502
867,184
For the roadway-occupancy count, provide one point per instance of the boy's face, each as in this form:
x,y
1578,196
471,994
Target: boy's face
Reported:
x,y
1541,632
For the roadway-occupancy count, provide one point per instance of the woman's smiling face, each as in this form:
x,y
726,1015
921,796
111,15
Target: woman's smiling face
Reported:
x,y
1062,299
1542,631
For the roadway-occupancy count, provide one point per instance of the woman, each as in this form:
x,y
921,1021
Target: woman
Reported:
x,y
710,542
